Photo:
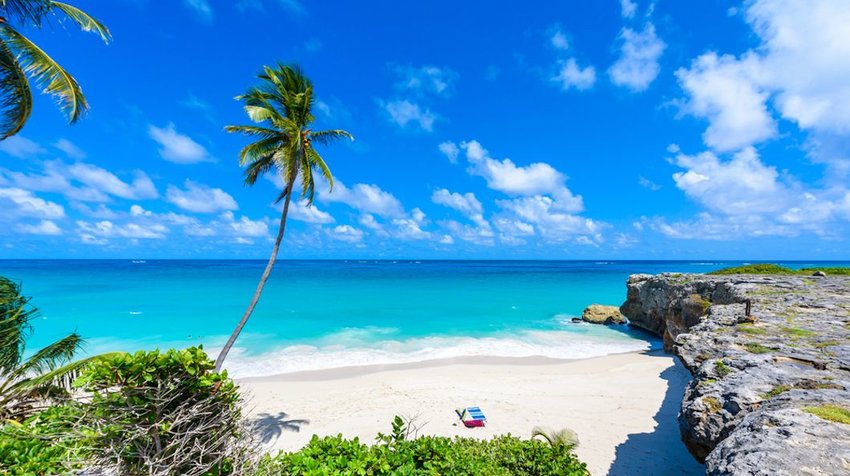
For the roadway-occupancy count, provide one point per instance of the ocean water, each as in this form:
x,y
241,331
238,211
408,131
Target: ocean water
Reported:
x,y
326,314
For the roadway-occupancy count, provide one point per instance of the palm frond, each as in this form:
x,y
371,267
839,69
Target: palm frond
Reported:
x,y
258,167
50,357
26,11
261,148
84,20
14,327
318,162
330,135
565,438
307,184
15,94
47,73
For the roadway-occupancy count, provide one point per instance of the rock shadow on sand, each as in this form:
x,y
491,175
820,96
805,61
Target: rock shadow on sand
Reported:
x,y
660,452
269,427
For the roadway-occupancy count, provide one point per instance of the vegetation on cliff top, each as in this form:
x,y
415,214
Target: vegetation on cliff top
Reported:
x,y
769,268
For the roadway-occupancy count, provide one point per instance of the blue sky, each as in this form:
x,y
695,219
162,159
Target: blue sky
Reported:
x,y
569,130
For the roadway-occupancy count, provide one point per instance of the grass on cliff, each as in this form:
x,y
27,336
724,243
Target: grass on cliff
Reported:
x,y
833,413
769,268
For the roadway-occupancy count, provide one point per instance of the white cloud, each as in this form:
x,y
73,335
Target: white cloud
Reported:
x,y
176,147
44,227
96,232
450,150
365,198
200,198
245,227
446,240
628,8
20,147
70,149
311,214
426,80
559,40
347,233
27,204
410,229
722,90
104,181
202,8
404,112
637,67
646,183
571,75
465,203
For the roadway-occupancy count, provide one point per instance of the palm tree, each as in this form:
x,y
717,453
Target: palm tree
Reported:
x,y
282,106
20,57
25,384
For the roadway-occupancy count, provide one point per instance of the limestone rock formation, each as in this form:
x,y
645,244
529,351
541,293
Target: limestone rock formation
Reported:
x,y
599,314
754,375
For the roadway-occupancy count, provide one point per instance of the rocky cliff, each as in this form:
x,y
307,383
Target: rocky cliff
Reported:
x,y
768,354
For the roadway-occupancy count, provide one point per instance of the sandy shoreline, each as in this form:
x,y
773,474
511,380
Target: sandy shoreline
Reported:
x,y
622,406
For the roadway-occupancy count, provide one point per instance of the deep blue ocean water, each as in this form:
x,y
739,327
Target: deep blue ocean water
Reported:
x,y
322,314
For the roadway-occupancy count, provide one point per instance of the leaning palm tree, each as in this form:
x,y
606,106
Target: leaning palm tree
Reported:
x,y
282,106
20,58
29,383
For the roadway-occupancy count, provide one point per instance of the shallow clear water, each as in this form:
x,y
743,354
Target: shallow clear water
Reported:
x,y
322,314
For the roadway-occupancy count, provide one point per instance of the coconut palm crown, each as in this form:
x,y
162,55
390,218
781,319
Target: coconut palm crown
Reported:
x,y
22,60
281,107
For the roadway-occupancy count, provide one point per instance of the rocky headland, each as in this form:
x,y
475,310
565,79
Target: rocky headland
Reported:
x,y
770,356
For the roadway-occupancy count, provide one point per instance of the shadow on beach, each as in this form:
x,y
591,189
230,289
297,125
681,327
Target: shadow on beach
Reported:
x,y
269,427
662,451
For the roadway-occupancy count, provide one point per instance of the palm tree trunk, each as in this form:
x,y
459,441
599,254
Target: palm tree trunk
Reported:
x,y
268,271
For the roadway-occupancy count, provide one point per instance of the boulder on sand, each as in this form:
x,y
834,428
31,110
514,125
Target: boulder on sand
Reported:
x,y
599,314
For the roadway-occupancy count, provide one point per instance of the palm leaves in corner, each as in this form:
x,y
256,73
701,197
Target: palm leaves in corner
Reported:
x,y
28,383
565,438
20,58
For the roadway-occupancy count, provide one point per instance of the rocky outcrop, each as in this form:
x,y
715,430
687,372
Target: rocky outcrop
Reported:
x,y
755,373
599,314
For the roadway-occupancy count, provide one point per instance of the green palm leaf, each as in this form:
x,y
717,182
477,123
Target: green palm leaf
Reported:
x,y
47,73
15,95
50,357
84,20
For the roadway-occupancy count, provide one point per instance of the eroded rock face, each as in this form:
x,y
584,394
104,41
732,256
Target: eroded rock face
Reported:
x,y
754,375
599,314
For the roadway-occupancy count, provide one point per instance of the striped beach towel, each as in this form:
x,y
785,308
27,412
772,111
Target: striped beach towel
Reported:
x,y
471,416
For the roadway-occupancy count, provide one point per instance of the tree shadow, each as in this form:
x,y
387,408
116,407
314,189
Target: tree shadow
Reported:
x,y
271,426
660,452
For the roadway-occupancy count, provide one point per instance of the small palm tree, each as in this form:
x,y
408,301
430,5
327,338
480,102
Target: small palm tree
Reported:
x,y
282,104
21,58
565,438
26,384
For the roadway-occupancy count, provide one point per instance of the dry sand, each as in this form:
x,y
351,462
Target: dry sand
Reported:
x,y
623,407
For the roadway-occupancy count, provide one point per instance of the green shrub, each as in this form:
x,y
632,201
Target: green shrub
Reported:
x,y
395,454
770,268
757,348
166,411
832,413
777,390
40,445
721,368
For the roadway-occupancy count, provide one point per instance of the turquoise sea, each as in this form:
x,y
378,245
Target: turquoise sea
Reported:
x,y
325,314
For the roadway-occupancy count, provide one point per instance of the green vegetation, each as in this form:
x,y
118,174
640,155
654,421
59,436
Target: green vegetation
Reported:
x,y
20,58
757,348
832,413
825,343
396,454
712,404
282,106
26,385
768,268
701,301
796,332
721,368
777,390
751,329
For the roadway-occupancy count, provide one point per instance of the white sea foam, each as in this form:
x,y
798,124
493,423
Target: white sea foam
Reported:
x,y
352,352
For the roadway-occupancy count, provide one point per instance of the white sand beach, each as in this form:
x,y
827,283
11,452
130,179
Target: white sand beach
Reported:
x,y
623,407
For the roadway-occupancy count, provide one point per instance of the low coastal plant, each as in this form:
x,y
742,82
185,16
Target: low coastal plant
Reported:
x,y
797,332
721,368
756,348
396,454
770,268
833,413
751,329
777,390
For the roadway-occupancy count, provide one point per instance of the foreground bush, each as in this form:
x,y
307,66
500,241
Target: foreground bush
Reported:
x,y
40,445
395,454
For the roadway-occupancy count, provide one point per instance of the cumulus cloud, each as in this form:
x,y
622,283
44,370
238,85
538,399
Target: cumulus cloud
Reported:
x,y
81,181
21,147
450,150
628,8
97,232
18,201
637,67
176,147
366,198
426,80
199,198
570,75
346,233
44,227
558,40
404,113
70,149
311,214
465,203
